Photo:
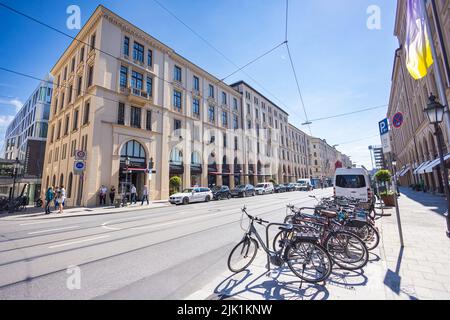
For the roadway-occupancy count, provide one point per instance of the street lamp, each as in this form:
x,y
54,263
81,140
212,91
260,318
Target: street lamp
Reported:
x,y
127,165
435,113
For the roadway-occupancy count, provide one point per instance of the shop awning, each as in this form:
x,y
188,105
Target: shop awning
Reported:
x,y
433,164
422,166
405,171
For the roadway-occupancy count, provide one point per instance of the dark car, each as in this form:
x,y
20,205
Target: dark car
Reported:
x,y
279,188
221,192
289,187
244,191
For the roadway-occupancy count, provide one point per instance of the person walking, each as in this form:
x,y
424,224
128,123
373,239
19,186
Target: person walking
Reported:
x,y
49,197
145,195
133,194
56,192
112,195
61,199
102,193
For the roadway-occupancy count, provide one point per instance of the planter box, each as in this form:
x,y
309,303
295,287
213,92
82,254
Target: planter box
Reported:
x,y
388,200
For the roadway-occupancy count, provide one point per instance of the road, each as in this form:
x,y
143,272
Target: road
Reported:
x,y
163,253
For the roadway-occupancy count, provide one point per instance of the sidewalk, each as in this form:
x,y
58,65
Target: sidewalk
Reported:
x,y
419,271
33,212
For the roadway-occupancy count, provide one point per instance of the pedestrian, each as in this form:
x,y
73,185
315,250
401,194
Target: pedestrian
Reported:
x,y
62,201
102,193
112,194
133,194
49,197
145,195
56,192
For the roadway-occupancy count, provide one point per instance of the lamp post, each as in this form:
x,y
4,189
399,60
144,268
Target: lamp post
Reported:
x,y
127,165
435,113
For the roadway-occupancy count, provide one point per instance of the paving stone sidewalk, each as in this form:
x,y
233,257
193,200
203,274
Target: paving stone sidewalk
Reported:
x,y
419,271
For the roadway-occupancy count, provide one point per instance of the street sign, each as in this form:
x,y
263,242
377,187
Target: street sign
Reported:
x,y
397,120
79,167
386,143
384,126
80,155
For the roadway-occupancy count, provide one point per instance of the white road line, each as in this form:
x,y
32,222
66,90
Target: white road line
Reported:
x,y
50,230
79,241
39,222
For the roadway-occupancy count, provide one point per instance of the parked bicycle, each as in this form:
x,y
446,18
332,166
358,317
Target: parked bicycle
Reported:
x,y
305,257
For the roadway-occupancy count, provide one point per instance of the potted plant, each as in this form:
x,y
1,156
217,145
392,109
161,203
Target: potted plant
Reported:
x,y
174,184
384,177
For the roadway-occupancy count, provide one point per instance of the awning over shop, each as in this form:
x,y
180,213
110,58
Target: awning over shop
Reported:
x,y
421,167
433,164
404,171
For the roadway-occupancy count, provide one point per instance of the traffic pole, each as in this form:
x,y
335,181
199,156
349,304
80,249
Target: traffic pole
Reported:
x,y
397,210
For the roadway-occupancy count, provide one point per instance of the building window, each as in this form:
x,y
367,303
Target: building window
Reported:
x,y
224,119
150,86
196,107
224,140
90,75
52,134
62,101
138,52
69,185
86,113
135,119
121,114
196,83
256,113
136,80
80,80
64,152
224,98
236,145
93,42
149,57
211,91
82,54
66,127
75,119
177,99
70,93
50,156
177,73
176,124
58,130
72,65
73,146
148,123
235,104
65,73
123,76
211,114
247,95
126,46
235,122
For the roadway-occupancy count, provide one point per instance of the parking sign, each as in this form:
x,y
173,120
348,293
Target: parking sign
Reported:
x,y
384,126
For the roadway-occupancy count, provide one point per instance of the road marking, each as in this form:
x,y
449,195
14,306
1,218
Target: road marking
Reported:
x,y
39,222
50,230
79,241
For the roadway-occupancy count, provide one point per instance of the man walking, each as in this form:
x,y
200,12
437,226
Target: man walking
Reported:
x,y
133,194
145,195
49,196
112,194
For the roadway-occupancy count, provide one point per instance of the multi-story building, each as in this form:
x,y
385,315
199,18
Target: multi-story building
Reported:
x,y
26,135
413,144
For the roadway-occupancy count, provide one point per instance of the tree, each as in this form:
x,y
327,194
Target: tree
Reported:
x,y
383,176
174,184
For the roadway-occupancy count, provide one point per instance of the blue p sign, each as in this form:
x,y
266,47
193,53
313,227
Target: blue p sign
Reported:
x,y
384,126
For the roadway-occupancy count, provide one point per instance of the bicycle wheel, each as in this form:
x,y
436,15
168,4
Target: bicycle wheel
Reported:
x,y
347,250
369,234
242,255
309,261
276,245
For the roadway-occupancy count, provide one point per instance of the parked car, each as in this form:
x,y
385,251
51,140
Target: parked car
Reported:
x,y
290,187
244,190
264,188
304,185
279,188
221,192
353,183
191,195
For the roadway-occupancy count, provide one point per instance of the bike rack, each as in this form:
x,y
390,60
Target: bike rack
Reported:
x,y
267,241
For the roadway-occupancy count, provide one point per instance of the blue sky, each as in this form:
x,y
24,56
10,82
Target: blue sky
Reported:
x,y
342,65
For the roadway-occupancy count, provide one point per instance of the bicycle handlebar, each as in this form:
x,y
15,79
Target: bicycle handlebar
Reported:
x,y
258,220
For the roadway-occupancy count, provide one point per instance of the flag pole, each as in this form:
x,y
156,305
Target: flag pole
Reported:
x,y
437,70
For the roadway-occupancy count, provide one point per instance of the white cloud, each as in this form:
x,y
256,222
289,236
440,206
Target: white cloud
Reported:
x,y
5,120
16,103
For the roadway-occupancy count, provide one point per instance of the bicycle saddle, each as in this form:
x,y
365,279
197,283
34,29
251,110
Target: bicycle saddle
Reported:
x,y
329,214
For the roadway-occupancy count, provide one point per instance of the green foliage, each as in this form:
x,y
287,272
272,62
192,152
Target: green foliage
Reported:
x,y
273,181
383,176
386,193
174,184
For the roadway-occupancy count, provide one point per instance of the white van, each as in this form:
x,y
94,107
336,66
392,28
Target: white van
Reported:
x,y
353,183
264,188
304,185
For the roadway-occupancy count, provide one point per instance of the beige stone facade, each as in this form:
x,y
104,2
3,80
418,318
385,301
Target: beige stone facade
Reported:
x,y
414,143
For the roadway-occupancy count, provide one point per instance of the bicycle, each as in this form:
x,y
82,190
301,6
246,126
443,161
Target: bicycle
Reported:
x,y
305,257
346,249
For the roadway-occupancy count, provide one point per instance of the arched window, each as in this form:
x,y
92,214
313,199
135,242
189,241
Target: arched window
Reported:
x,y
136,154
54,181
61,180
176,156
69,186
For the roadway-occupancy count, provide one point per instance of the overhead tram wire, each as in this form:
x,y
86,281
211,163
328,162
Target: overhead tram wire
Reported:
x,y
221,54
349,113
88,44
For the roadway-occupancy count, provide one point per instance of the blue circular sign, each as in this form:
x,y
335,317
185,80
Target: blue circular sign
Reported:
x,y
397,121
79,165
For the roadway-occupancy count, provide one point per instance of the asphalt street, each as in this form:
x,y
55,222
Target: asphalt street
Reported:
x,y
162,253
